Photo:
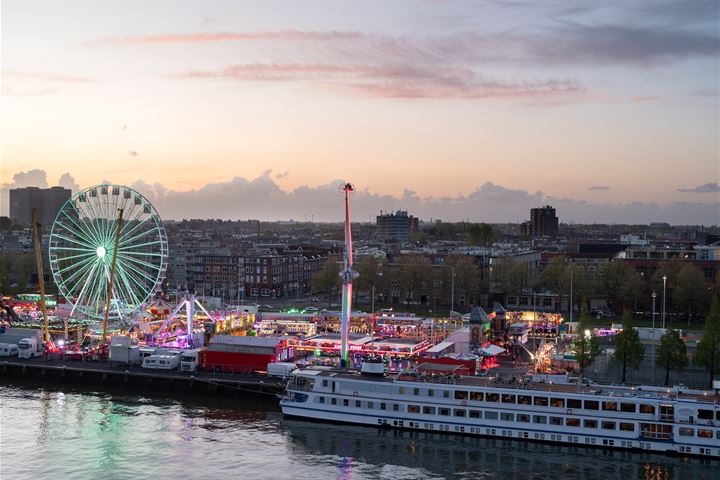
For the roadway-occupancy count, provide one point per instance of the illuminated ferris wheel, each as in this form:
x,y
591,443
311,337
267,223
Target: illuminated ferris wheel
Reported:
x,y
82,245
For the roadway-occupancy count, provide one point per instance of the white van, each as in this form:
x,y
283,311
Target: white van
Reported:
x,y
8,350
161,362
280,369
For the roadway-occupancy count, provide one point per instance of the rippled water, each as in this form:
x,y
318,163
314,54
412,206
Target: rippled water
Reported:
x,y
66,434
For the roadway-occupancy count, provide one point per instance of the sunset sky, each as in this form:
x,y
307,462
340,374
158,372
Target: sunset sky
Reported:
x,y
480,110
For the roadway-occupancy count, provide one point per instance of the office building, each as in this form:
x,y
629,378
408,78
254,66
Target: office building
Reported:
x,y
47,201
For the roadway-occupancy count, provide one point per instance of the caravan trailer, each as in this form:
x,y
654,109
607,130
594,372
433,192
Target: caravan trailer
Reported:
x,y
161,362
8,350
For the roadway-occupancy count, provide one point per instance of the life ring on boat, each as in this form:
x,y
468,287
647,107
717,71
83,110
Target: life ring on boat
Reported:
x,y
355,394
569,411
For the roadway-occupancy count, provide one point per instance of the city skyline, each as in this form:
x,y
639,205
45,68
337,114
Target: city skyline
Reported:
x,y
481,111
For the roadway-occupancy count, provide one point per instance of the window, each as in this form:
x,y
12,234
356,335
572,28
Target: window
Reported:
x,y
370,405
475,414
507,417
324,383
459,412
383,406
333,401
446,393
557,402
396,407
627,407
645,408
574,403
491,415
444,411
703,433
705,414
416,391
321,399
413,409
476,396
556,421
687,432
591,405
431,392
521,417
429,410
541,401
523,400
346,402
627,427
461,395
401,391
507,398
572,422
492,397
608,425
358,403
539,419
610,406
590,423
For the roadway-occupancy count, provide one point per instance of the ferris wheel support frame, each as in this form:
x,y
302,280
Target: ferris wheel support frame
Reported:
x,y
112,276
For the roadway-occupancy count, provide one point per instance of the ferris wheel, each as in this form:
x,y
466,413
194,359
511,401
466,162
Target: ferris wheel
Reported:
x,y
82,245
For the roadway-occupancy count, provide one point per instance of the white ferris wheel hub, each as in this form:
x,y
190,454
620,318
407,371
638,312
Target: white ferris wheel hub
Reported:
x,y
101,251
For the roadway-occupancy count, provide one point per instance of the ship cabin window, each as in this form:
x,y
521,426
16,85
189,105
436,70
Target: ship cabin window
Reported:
x,y
590,423
402,391
370,405
539,419
325,383
429,410
608,425
687,432
627,407
524,399
492,397
346,402
446,393
717,415
610,406
413,409
416,391
645,408
703,414
521,417
383,406
358,404
459,412
333,401
507,398
574,403
507,417
476,396
557,402
541,401
703,433
431,392
556,421
396,407
572,422
592,405
718,434
491,415
461,395
627,427
444,411
321,399
475,414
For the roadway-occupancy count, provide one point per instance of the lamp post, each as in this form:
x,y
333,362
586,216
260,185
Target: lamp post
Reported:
x,y
653,336
664,302
452,291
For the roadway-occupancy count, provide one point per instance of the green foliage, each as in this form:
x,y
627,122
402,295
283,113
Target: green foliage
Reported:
x,y
707,353
629,351
480,234
621,282
586,348
327,279
671,353
510,276
415,275
691,290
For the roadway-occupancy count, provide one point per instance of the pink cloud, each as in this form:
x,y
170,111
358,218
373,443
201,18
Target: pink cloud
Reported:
x,y
226,37
648,98
48,77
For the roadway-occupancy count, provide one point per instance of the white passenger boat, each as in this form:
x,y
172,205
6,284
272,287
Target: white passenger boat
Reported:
x,y
676,420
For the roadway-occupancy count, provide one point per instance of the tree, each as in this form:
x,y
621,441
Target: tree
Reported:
x,y
585,346
415,272
671,353
368,269
707,353
480,234
510,276
327,279
690,290
629,352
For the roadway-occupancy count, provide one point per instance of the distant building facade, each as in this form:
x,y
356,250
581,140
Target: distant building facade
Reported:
x,y
47,201
395,227
543,222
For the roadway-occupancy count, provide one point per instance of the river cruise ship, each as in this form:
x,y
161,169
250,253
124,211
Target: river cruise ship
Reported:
x,y
675,420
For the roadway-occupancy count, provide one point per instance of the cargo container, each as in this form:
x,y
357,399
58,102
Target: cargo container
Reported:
x,y
231,354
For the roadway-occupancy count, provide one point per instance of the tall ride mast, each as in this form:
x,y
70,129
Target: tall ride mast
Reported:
x,y
347,274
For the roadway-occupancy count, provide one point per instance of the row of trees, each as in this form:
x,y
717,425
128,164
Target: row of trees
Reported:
x,y
17,272
671,353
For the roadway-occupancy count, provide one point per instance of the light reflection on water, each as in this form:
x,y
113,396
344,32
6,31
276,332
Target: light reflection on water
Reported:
x,y
83,434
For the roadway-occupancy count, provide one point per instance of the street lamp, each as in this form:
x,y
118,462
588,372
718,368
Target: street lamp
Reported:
x,y
664,302
452,291
653,336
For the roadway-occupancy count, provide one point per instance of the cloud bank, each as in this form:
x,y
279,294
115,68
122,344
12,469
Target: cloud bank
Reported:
x,y
262,198
712,187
